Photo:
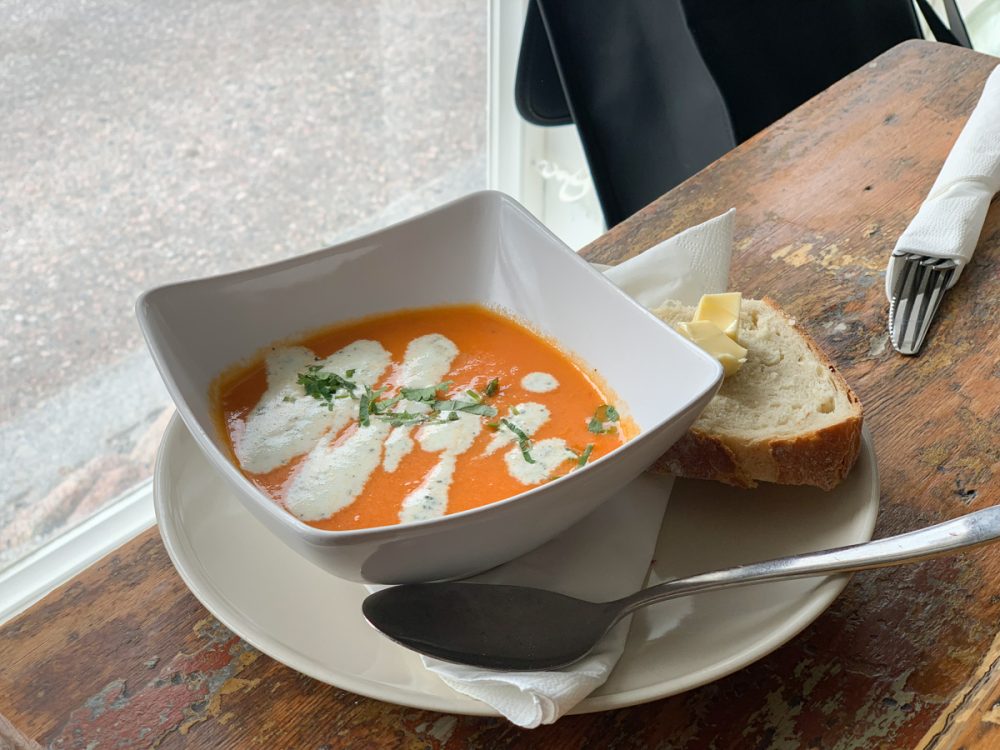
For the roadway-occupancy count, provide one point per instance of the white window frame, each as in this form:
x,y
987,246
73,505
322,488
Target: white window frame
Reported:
x,y
35,575
509,137
531,163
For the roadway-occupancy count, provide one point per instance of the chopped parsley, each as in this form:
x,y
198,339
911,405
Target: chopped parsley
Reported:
x,y
469,407
523,441
329,386
364,407
404,418
424,395
326,386
379,407
604,413
492,388
585,456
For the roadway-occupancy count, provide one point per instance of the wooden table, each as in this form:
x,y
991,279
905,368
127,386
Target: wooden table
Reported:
x,y
124,656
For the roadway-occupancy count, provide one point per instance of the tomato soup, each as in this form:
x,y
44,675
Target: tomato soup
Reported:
x,y
412,415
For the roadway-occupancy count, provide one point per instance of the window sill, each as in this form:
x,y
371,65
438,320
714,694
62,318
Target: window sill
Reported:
x,y
30,579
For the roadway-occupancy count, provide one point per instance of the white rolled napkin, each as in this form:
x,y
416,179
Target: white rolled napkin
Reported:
x,y
950,220
607,555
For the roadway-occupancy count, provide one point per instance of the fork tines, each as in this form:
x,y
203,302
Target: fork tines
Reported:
x,y
920,285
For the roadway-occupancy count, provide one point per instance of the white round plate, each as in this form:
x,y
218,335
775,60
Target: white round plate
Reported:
x,y
311,621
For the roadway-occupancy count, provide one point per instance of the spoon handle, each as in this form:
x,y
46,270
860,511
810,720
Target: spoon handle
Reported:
x,y
960,533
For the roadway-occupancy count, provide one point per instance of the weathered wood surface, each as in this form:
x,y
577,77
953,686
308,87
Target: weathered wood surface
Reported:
x,y
124,656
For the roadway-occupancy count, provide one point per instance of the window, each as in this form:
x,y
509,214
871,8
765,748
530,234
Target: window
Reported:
x,y
982,18
142,143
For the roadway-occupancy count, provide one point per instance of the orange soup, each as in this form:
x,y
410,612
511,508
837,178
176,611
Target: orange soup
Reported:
x,y
413,415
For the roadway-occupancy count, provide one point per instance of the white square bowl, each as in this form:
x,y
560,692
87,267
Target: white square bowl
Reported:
x,y
484,248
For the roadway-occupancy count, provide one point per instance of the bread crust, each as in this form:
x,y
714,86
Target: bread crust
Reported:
x,y
698,455
820,458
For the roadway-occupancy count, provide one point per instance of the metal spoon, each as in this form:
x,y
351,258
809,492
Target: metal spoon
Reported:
x,y
520,628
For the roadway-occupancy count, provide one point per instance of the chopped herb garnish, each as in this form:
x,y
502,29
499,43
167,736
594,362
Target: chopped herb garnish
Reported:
x,y
404,418
523,441
424,395
470,407
493,425
329,386
604,413
325,386
585,456
492,388
382,406
364,407
289,399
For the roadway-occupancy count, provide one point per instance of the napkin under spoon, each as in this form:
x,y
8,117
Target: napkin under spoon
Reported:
x,y
519,628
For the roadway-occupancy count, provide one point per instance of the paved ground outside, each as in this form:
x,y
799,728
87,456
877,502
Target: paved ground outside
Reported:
x,y
146,142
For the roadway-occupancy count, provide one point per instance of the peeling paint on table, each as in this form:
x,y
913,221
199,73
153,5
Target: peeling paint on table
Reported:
x,y
187,690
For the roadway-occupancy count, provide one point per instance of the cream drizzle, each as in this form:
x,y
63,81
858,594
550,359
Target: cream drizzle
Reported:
x,y
430,499
454,438
425,363
335,472
427,360
539,382
547,454
529,419
397,446
451,439
285,423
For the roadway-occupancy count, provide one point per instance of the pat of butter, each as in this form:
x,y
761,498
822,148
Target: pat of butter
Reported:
x,y
713,340
723,310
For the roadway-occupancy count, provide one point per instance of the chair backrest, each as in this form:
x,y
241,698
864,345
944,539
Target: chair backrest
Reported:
x,y
647,111
538,92
769,56
660,88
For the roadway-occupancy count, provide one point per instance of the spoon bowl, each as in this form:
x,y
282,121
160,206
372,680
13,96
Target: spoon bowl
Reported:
x,y
490,626
525,629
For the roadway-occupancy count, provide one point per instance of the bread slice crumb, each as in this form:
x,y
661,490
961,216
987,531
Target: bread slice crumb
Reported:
x,y
787,416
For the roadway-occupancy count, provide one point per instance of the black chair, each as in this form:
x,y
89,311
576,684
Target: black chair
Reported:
x,y
658,89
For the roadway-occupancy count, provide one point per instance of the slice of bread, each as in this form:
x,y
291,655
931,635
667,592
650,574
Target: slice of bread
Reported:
x,y
787,416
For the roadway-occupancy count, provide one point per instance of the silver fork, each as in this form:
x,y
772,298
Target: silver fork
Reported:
x,y
916,294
